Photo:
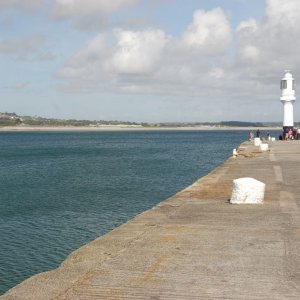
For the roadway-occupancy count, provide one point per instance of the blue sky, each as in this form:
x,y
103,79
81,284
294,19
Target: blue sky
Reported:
x,y
147,60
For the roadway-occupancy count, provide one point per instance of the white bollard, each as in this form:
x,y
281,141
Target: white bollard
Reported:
x,y
263,147
257,141
247,191
234,153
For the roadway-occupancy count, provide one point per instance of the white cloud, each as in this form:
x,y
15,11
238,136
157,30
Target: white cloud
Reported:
x,y
205,60
67,8
150,61
246,26
21,4
274,43
196,65
217,73
138,51
249,52
134,52
210,32
120,67
283,13
86,63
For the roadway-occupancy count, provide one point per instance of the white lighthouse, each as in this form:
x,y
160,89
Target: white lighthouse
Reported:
x,y
287,99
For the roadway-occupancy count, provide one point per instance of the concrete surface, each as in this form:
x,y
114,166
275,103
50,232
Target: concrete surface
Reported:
x,y
196,245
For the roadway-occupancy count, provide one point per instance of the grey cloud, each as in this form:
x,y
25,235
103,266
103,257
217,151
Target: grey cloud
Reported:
x,y
159,2
21,4
78,8
100,23
93,23
22,48
137,23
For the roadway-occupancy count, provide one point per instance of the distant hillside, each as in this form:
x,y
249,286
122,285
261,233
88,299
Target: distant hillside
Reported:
x,y
9,119
12,119
241,124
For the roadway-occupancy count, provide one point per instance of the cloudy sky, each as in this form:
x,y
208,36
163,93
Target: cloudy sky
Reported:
x,y
148,60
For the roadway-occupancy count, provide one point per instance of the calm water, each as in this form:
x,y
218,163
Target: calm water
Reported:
x,y
59,191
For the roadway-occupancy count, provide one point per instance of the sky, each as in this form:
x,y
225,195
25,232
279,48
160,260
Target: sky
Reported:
x,y
148,60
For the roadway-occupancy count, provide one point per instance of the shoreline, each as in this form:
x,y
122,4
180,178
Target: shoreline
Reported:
x,y
127,128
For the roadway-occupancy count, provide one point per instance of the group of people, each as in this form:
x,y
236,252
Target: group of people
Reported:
x,y
257,134
289,135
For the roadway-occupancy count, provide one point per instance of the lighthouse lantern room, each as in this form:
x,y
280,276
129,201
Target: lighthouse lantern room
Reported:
x,y
288,98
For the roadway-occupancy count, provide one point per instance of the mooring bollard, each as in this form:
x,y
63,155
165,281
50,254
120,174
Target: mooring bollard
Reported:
x,y
247,191
263,147
234,153
257,141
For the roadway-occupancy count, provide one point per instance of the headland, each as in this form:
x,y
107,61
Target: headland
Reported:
x,y
195,245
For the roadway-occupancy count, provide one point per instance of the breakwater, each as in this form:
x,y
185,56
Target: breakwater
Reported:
x,y
195,245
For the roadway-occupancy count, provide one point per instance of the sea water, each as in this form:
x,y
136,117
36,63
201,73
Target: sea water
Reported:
x,y
60,190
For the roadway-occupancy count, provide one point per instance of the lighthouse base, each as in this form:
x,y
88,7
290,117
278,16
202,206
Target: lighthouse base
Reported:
x,y
286,129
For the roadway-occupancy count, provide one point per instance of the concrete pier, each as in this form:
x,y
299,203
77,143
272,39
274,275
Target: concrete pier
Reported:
x,y
196,245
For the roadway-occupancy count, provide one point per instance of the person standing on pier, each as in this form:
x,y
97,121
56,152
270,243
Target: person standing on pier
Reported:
x,y
251,136
258,133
